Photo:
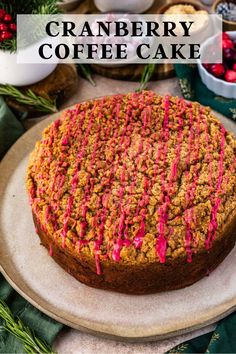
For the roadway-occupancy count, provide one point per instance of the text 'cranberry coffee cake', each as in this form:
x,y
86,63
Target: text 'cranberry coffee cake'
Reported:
x,y
135,193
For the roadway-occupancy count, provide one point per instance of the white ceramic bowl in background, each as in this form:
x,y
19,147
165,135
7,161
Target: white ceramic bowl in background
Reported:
x,y
218,86
133,6
17,74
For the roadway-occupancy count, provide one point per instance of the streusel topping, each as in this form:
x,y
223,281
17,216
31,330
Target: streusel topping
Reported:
x,y
134,178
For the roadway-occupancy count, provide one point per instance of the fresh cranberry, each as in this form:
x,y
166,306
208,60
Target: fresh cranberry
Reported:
x,y
227,43
6,35
7,18
230,76
3,27
12,27
229,54
225,36
2,13
217,69
234,67
207,66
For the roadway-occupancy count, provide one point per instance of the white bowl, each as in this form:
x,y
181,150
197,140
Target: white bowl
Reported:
x,y
17,74
134,6
218,86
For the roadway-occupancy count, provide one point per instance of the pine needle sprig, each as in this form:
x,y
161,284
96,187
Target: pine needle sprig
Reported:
x,y
31,343
46,7
29,98
9,44
15,7
86,72
147,73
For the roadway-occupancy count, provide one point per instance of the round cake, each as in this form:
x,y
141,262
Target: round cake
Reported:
x,y
135,193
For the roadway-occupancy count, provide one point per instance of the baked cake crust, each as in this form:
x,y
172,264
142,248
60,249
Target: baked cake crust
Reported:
x,y
135,193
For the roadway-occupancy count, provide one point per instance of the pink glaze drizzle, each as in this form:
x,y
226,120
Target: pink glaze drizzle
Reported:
x,y
161,244
138,240
190,193
117,245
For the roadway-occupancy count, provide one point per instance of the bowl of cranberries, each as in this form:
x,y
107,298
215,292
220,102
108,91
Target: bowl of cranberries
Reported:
x,y
12,72
221,77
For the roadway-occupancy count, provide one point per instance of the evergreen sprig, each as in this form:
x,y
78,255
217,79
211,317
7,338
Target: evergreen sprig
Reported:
x,y
9,44
15,7
86,72
31,343
29,98
147,73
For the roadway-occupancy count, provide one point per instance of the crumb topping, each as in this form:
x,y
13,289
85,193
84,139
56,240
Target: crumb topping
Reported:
x,y
134,178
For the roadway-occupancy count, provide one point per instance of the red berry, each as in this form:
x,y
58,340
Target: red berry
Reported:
x,y
227,43
225,36
229,54
217,70
7,18
6,35
230,76
2,13
12,27
3,27
234,67
207,66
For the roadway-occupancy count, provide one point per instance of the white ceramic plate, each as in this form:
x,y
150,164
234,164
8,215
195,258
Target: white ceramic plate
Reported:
x,y
35,275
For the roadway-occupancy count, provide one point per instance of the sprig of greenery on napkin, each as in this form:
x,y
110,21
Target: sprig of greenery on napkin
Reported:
x,y
40,325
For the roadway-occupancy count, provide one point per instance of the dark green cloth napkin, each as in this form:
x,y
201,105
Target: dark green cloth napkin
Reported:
x,y
193,89
222,340
43,326
10,128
